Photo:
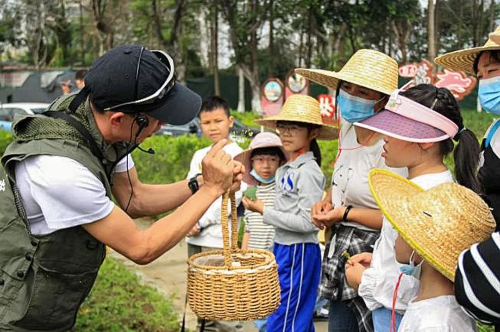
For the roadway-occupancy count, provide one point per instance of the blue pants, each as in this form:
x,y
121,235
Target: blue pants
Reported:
x,y
299,268
341,318
382,319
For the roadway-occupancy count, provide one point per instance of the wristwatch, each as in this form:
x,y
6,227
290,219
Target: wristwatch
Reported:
x,y
193,183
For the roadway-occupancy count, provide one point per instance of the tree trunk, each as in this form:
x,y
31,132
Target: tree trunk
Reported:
x,y
492,16
309,37
241,90
215,47
82,40
301,48
480,13
270,72
255,81
172,45
402,31
256,106
431,44
460,24
437,26
474,23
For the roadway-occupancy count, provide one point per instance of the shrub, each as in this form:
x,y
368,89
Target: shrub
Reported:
x,y
5,139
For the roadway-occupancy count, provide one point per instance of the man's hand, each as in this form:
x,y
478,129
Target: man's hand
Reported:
x,y
253,205
195,231
328,218
219,170
238,172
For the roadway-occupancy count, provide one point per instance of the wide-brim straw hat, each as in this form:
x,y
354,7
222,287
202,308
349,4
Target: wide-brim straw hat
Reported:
x,y
261,140
438,223
301,108
464,59
368,68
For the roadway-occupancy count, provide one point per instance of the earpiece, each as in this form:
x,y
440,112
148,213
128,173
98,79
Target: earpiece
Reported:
x,y
142,121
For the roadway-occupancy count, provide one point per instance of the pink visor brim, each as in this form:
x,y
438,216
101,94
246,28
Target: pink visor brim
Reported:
x,y
397,126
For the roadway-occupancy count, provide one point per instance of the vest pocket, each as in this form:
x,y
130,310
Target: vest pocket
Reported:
x,y
55,298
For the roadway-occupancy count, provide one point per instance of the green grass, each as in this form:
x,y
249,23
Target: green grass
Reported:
x,y
119,302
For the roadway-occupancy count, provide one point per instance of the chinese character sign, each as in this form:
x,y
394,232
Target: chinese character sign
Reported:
x,y
327,107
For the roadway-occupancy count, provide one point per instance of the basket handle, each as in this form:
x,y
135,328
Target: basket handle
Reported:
x,y
229,248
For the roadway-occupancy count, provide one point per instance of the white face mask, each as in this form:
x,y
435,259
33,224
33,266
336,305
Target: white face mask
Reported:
x,y
410,268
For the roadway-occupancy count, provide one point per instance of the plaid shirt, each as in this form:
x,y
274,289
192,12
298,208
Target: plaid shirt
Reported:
x,y
333,284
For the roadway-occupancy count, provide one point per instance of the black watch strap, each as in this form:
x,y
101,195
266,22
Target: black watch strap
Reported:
x,y
346,212
193,183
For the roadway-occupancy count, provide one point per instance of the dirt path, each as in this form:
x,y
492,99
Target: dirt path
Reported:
x,y
168,275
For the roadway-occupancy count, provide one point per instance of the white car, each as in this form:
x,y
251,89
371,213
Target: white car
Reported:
x,y
7,112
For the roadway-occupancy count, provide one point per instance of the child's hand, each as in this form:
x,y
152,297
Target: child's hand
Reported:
x,y
251,193
195,231
365,259
353,273
255,205
327,219
321,207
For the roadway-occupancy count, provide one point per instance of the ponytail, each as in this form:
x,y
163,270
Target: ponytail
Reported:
x,y
466,158
314,147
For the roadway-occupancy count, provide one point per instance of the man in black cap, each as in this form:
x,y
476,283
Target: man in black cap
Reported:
x,y
58,176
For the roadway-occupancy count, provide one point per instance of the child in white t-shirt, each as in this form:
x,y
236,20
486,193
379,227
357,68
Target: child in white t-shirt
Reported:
x,y
216,122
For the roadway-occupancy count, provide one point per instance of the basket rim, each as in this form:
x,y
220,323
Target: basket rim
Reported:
x,y
269,260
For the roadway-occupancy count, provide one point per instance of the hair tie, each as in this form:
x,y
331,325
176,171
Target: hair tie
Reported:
x,y
434,103
457,135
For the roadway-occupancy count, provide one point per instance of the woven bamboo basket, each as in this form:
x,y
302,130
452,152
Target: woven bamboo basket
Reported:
x,y
233,284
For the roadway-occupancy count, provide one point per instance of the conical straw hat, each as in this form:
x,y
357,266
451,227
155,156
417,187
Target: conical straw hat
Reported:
x,y
301,108
464,59
438,223
368,68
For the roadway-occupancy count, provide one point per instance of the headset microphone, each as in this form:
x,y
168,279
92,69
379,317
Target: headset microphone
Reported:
x,y
150,150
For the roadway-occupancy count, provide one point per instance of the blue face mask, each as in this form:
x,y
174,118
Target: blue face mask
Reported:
x,y
489,94
410,269
355,109
260,179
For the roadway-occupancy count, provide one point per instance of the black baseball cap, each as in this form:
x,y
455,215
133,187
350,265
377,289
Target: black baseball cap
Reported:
x,y
133,79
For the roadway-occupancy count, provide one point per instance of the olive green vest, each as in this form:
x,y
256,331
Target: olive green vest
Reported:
x,y
44,279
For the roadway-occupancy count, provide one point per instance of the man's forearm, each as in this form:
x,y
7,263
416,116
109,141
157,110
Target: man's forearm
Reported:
x,y
154,199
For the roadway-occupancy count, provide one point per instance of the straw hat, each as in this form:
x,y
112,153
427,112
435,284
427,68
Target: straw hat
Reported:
x,y
368,68
261,140
464,59
301,108
439,223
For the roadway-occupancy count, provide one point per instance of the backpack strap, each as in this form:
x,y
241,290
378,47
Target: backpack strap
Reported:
x,y
491,133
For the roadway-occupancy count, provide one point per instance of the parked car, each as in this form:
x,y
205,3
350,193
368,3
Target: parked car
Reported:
x,y
194,127
8,111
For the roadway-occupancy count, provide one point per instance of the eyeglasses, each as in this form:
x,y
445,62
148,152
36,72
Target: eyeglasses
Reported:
x,y
291,129
161,92
269,160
